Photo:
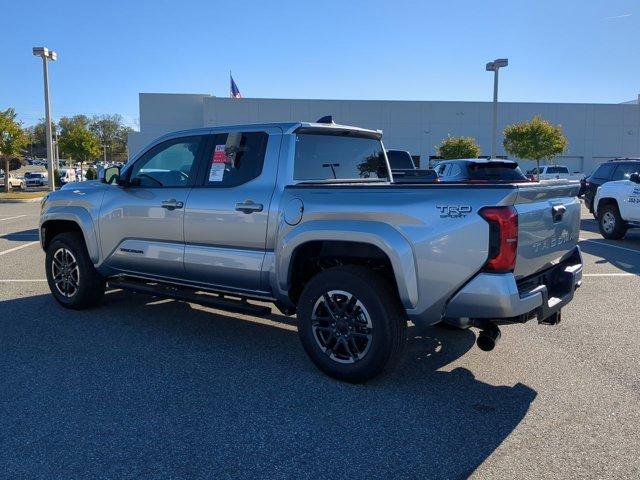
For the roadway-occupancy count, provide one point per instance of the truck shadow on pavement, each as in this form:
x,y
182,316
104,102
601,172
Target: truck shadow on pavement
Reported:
x,y
157,389
31,234
623,258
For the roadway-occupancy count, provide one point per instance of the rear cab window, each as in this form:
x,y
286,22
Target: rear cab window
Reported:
x,y
399,160
496,172
341,155
557,170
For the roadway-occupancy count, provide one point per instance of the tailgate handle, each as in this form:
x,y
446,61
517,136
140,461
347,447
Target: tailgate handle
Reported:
x,y
557,212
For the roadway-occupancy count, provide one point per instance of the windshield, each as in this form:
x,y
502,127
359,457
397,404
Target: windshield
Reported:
x,y
496,171
343,156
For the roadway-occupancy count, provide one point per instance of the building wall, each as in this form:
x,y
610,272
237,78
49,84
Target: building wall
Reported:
x,y
595,132
161,113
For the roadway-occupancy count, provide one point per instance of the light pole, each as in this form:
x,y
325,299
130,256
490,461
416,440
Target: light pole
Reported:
x,y
47,55
56,153
494,66
104,150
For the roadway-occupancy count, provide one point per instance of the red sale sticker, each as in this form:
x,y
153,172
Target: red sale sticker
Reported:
x,y
219,155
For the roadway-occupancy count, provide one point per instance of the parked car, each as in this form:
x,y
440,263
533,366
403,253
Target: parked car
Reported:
x,y
612,170
479,170
36,179
553,172
14,182
304,215
617,206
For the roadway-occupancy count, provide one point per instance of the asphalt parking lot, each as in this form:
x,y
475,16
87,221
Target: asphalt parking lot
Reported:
x,y
148,388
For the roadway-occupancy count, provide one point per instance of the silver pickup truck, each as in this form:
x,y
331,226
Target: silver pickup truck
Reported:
x,y
307,216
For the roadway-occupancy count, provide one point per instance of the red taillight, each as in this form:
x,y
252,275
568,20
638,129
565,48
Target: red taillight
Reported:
x,y
503,238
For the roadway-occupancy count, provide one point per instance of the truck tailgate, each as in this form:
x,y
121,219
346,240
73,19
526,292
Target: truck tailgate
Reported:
x,y
548,225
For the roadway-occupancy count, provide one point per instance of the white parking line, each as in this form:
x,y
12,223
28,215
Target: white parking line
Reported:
x,y
4,252
620,274
11,218
22,280
608,244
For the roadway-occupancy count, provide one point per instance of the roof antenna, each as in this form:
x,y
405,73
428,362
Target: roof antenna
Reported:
x,y
326,119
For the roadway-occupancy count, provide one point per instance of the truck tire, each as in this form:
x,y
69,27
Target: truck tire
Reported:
x,y
72,278
610,223
351,323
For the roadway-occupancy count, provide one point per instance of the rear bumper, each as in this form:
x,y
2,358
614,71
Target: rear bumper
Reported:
x,y
500,297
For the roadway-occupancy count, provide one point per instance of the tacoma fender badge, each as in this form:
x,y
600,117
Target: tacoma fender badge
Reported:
x,y
131,250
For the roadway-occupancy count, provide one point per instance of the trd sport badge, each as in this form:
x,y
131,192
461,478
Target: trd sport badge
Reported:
x,y
454,211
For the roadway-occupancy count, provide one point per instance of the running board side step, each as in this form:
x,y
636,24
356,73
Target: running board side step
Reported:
x,y
187,294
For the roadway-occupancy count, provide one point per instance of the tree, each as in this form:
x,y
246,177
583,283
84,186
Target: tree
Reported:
x,y
113,133
536,140
12,141
78,143
37,135
67,124
452,148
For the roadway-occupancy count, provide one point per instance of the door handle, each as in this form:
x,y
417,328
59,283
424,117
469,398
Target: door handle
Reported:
x,y
172,204
248,207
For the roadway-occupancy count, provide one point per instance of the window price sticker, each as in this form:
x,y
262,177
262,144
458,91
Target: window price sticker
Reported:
x,y
216,173
218,162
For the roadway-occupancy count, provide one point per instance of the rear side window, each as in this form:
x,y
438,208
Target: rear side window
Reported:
x,y
496,172
235,158
454,171
338,157
623,172
604,171
441,168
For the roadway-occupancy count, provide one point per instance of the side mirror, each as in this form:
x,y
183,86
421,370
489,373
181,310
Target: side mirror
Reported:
x,y
111,175
635,177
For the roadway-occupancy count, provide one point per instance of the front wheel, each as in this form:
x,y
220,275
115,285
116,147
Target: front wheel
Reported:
x,y
72,278
351,323
610,223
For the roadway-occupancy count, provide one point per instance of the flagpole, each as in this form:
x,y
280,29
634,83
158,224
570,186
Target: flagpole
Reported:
x,y
230,89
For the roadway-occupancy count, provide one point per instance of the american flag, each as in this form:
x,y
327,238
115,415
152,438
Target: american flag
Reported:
x,y
235,91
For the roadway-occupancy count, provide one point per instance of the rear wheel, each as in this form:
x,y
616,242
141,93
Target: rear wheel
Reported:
x,y
351,323
72,278
610,223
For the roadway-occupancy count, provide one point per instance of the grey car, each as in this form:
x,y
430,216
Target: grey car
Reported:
x,y
307,216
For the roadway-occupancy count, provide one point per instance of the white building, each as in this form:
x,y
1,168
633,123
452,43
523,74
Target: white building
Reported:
x,y
596,132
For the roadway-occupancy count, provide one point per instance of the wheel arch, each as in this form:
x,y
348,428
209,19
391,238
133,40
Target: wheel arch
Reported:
x,y
373,244
72,219
604,201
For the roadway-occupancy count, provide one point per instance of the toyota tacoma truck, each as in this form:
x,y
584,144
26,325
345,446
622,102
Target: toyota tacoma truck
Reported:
x,y
617,207
307,217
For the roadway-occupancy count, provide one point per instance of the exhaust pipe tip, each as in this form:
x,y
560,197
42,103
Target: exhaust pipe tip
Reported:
x,y
488,338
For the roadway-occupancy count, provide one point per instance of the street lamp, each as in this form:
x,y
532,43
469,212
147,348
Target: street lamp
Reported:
x,y
47,55
494,66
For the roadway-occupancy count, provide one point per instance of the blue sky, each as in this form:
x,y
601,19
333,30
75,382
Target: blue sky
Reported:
x,y
109,51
